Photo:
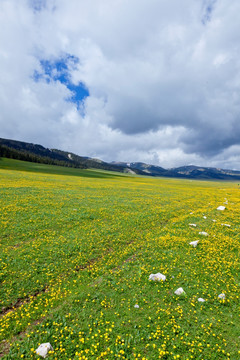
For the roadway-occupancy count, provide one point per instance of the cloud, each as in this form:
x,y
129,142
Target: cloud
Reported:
x,y
37,5
142,80
208,7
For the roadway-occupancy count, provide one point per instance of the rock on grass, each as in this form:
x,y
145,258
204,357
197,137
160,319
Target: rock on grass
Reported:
x,y
179,291
44,349
194,243
157,277
221,208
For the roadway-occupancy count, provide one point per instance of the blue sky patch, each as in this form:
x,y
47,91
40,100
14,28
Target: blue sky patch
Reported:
x,y
59,70
208,9
37,5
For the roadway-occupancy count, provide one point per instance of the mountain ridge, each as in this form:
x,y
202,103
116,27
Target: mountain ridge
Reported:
x,y
21,150
37,153
188,171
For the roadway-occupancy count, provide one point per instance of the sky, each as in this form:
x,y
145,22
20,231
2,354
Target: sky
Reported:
x,y
156,81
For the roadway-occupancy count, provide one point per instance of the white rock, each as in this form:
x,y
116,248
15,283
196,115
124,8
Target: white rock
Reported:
x,y
192,225
43,349
226,225
204,217
157,277
222,296
136,306
179,291
194,243
203,233
201,300
221,208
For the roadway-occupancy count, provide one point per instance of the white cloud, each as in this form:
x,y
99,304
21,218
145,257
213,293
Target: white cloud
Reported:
x,y
163,78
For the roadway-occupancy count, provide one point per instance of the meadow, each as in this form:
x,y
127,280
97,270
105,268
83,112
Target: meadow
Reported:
x,y
76,251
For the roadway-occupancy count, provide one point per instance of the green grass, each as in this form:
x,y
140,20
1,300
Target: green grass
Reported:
x,y
76,253
11,164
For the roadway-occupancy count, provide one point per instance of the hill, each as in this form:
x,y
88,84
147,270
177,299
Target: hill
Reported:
x,y
37,153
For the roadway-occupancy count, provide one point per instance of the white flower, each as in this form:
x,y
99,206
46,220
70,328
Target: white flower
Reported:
x,y
201,300
136,306
203,233
222,296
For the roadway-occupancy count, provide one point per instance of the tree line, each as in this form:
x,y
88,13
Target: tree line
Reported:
x,y
11,153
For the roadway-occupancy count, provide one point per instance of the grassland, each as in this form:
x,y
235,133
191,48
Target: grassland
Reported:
x,y
77,248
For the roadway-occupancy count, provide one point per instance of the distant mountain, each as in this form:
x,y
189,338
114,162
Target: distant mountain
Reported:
x,y
150,170
146,168
200,172
88,162
37,153
189,172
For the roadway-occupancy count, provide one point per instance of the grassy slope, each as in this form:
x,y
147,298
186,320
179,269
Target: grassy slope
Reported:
x,y
76,254
11,164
